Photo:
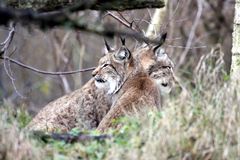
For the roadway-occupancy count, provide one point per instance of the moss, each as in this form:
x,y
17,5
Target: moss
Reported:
x,y
47,5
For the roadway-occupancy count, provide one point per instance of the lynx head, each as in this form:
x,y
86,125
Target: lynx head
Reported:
x,y
157,64
113,68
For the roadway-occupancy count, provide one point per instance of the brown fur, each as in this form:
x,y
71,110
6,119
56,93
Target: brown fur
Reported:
x,y
86,107
135,97
61,114
158,66
83,108
137,91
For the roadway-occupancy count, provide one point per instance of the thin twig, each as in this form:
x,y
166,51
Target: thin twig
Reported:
x,y
125,23
5,47
9,38
4,52
45,72
123,17
191,34
59,52
70,138
136,28
182,47
172,16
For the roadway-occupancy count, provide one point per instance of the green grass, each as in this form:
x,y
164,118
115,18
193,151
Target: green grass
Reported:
x,y
204,124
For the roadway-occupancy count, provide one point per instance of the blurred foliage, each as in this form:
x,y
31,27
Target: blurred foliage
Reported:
x,y
45,88
63,49
202,125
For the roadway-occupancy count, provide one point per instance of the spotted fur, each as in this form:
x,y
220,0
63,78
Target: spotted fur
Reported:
x,y
136,90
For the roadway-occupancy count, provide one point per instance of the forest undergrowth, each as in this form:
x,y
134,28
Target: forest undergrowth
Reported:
x,y
202,124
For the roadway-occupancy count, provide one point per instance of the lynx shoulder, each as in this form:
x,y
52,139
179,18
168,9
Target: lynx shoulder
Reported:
x,y
63,113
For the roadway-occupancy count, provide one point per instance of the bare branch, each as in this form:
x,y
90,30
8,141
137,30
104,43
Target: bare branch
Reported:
x,y
9,38
61,18
191,34
50,5
4,51
70,138
45,72
124,22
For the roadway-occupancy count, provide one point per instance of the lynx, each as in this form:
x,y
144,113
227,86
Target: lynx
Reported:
x,y
132,89
158,65
86,107
83,108
62,114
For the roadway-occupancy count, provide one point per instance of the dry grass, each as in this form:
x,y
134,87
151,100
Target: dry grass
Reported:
x,y
14,141
204,125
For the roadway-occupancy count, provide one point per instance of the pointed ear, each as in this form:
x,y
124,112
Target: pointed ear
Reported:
x,y
107,46
123,54
160,53
161,42
122,40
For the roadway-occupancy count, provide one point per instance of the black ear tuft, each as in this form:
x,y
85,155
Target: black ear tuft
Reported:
x,y
161,41
122,40
156,48
163,37
107,45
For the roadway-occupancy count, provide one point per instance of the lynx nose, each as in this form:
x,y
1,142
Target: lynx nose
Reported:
x,y
164,84
94,73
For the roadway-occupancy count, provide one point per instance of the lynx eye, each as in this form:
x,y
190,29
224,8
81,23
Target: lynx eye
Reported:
x,y
166,67
105,65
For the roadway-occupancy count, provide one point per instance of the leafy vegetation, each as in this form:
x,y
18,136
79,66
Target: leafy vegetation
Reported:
x,y
197,125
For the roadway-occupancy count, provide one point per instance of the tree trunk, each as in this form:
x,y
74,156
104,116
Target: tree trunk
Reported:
x,y
49,5
156,22
235,67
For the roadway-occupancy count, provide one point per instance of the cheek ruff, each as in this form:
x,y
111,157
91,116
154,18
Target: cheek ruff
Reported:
x,y
113,85
164,85
101,85
165,90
